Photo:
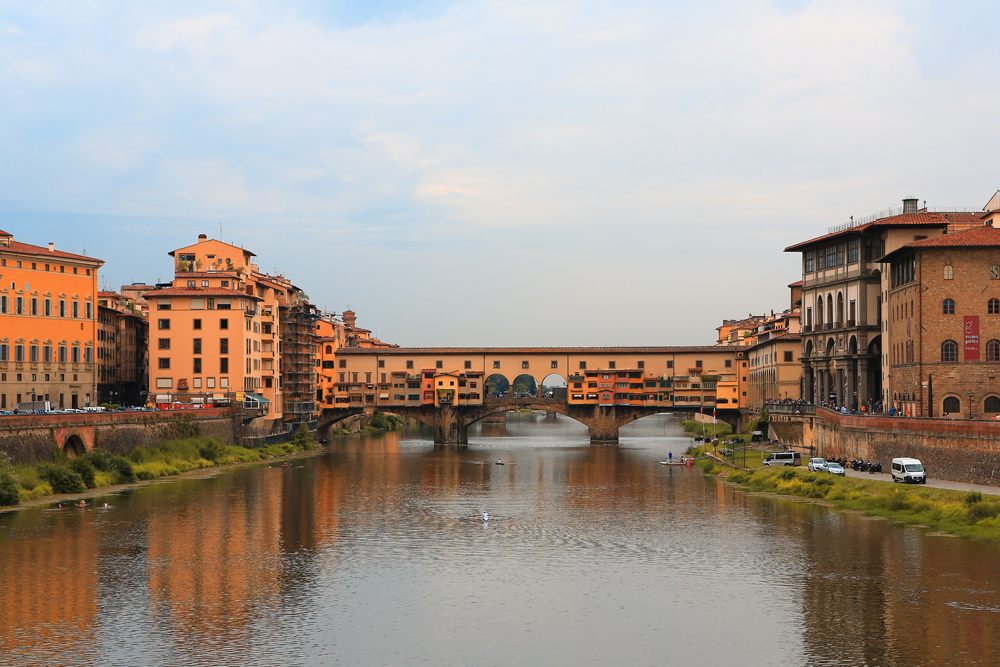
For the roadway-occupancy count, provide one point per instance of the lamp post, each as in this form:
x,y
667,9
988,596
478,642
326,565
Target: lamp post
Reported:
x,y
970,404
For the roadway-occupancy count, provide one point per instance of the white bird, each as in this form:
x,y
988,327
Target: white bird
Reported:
x,y
486,516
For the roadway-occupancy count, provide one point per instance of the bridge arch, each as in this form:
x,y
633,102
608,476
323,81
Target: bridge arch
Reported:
x,y
74,446
496,385
550,382
525,383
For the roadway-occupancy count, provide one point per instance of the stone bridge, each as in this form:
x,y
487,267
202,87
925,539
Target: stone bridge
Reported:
x,y
451,423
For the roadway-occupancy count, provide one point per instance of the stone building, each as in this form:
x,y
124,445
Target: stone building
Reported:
x,y
843,290
943,324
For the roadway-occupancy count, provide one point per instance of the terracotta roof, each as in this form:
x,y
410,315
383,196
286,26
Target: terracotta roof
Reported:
x,y
3,233
115,295
904,220
797,283
977,237
791,337
198,291
396,351
28,249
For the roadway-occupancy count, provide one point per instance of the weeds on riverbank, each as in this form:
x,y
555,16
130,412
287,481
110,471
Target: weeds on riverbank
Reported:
x,y
37,479
694,427
955,512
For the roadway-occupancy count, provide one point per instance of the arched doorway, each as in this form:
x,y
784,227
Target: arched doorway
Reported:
x,y
554,386
74,447
951,406
497,386
525,386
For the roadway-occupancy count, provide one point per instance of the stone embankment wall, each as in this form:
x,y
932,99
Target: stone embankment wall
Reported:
x,y
32,437
960,450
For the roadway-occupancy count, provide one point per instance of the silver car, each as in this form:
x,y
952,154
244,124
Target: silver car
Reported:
x,y
835,469
816,465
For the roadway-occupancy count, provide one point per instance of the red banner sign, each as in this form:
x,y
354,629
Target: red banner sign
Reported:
x,y
971,332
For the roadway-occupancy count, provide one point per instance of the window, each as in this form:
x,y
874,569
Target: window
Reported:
x,y
991,404
439,364
949,272
949,352
204,283
163,344
611,364
224,365
852,251
951,405
583,365
76,354
47,308
788,355
496,364
163,324
18,354
164,362
993,307
381,363
524,364
197,365
19,306
34,306
163,304
223,346
223,323
192,283
197,345
33,353
62,308
164,383
62,354
948,307
697,363
196,324
729,363
343,363
810,261
409,364
47,354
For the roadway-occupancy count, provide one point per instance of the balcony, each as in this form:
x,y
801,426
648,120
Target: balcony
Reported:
x,y
806,328
838,325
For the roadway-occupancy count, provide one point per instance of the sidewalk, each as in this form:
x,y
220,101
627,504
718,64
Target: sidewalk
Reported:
x,y
931,482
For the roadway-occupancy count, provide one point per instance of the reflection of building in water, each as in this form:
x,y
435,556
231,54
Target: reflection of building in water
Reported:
x,y
212,563
48,596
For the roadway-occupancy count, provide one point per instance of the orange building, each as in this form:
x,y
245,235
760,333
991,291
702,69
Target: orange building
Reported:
x,y
48,325
332,334
270,333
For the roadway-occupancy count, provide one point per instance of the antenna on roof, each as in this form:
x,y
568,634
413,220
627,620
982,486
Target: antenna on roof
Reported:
x,y
220,231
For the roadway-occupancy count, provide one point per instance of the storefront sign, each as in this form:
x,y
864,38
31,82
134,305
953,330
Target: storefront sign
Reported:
x,y
971,329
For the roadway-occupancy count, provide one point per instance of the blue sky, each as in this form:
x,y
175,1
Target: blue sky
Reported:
x,y
492,173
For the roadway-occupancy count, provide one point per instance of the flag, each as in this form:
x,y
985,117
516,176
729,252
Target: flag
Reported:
x,y
713,416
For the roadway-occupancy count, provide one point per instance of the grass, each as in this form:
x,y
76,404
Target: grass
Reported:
x,y
98,469
693,427
959,513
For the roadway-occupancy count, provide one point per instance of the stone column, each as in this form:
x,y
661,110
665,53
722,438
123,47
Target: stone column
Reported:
x,y
603,425
863,382
449,426
853,398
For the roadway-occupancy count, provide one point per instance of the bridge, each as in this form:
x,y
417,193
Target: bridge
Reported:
x,y
606,387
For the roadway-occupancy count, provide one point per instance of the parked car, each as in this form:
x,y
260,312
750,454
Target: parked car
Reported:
x,y
783,459
908,471
816,465
835,468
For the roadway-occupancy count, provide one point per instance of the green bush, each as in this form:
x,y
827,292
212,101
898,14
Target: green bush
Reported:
x,y
787,474
62,479
85,469
380,421
8,483
973,497
213,450
979,511
303,438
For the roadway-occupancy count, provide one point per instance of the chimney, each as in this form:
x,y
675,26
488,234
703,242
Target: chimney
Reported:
x,y
52,246
202,238
910,205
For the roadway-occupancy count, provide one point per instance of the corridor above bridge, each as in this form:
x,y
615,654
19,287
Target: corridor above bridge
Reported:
x,y
678,376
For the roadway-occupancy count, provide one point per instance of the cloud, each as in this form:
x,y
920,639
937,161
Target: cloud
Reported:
x,y
690,142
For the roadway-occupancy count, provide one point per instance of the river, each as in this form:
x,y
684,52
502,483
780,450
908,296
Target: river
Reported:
x,y
376,553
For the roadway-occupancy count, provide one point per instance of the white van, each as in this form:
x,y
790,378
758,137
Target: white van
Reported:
x,y
783,459
908,471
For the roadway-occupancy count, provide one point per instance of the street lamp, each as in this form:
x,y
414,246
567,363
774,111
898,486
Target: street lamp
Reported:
x,y
970,404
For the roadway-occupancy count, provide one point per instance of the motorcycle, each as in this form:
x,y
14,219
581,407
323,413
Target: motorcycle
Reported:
x,y
874,468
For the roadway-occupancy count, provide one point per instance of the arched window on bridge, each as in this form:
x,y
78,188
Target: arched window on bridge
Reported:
x,y
555,386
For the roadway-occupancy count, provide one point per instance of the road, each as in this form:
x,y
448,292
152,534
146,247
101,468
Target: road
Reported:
x,y
934,483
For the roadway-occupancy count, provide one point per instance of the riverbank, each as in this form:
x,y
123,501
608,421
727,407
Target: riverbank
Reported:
x,y
965,514
97,472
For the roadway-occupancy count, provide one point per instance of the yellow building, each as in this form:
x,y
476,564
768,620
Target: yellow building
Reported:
x,y
48,325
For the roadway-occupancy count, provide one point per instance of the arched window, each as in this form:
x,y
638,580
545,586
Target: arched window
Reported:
x,y
991,404
829,309
819,312
949,272
951,405
329,349
993,350
840,308
949,351
993,307
949,307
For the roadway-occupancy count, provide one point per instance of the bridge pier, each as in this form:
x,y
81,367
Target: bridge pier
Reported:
x,y
603,425
450,427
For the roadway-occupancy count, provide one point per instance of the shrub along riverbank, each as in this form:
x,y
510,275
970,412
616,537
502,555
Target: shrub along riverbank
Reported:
x,y
97,469
956,512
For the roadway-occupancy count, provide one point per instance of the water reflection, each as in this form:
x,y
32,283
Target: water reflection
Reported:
x,y
376,553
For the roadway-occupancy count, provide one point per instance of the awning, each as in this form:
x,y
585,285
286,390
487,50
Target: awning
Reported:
x,y
256,397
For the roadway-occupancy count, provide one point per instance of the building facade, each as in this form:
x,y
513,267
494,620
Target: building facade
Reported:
x,y
843,290
48,325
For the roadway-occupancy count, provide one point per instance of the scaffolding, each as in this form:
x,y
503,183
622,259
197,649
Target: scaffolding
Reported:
x,y
298,361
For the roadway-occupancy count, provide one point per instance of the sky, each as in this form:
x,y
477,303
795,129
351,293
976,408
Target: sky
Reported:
x,y
492,173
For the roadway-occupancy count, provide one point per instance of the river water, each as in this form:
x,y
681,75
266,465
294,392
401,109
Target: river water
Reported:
x,y
375,553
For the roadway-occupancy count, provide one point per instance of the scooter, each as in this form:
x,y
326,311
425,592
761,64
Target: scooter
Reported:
x,y
875,467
